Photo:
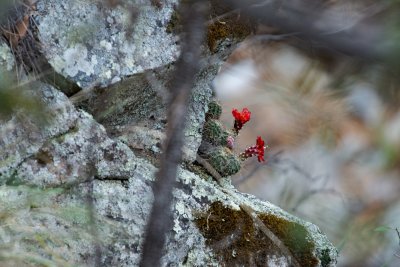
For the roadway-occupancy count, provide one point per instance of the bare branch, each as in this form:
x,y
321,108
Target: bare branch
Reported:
x,y
160,220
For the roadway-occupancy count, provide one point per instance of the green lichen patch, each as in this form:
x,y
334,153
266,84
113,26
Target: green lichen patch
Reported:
x,y
237,241
234,238
224,161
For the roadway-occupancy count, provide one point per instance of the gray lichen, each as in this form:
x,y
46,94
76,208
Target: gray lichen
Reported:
x,y
7,60
70,183
134,110
23,135
95,45
122,197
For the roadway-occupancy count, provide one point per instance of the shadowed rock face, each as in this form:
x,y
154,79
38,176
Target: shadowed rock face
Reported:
x,y
72,193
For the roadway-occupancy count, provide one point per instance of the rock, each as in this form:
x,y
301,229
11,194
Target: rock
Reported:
x,y
103,219
135,109
7,60
24,134
72,189
201,209
96,45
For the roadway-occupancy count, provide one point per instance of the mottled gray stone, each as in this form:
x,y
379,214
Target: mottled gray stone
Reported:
x,y
135,110
54,165
24,134
121,210
7,60
71,189
77,152
96,45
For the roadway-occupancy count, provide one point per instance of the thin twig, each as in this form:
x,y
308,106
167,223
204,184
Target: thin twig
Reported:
x,y
299,16
249,211
260,224
160,219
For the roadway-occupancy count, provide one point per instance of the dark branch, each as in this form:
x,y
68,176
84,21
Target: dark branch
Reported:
x,y
160,220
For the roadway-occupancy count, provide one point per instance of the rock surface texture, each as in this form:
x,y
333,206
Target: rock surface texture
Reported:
x,y
75,185
95,45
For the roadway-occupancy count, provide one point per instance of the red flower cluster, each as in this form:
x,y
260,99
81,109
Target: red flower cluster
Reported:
x,y
240,118
256,150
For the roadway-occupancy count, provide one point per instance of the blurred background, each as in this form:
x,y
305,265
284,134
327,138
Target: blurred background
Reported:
x,y
332,123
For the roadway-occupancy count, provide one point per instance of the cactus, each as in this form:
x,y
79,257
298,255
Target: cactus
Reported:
x,y
224,161
214,110
215,133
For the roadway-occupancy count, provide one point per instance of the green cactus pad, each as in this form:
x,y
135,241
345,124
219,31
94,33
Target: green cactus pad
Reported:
x,y
214,110
224,161
215,133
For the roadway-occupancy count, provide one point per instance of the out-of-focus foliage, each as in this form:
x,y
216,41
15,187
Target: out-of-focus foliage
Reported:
x,y
13,97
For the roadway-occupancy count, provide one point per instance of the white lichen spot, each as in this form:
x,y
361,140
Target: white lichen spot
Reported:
x,y
115,79
180,207
93,59
6,57
58,64
274,261
107,74
106,45
75,60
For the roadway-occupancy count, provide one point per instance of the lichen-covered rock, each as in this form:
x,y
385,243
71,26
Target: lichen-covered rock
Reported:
x,y
73,192
53,165
7,60
79,197
135,110
94,44
210,228
24,134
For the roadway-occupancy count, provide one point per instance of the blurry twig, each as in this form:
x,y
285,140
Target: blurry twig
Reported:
x,y
218,18
313,192
271,159
263,228
160,218
398,235
300,16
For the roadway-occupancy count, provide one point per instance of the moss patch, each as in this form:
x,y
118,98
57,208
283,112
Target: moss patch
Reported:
x,y
237,241
295,237
229,26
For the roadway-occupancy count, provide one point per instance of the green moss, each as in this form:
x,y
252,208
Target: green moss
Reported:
x,y
295,236
214,110
224,161
231,26
237,241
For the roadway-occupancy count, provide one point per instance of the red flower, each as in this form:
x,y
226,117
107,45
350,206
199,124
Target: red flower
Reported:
x,y
240,118
258,149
